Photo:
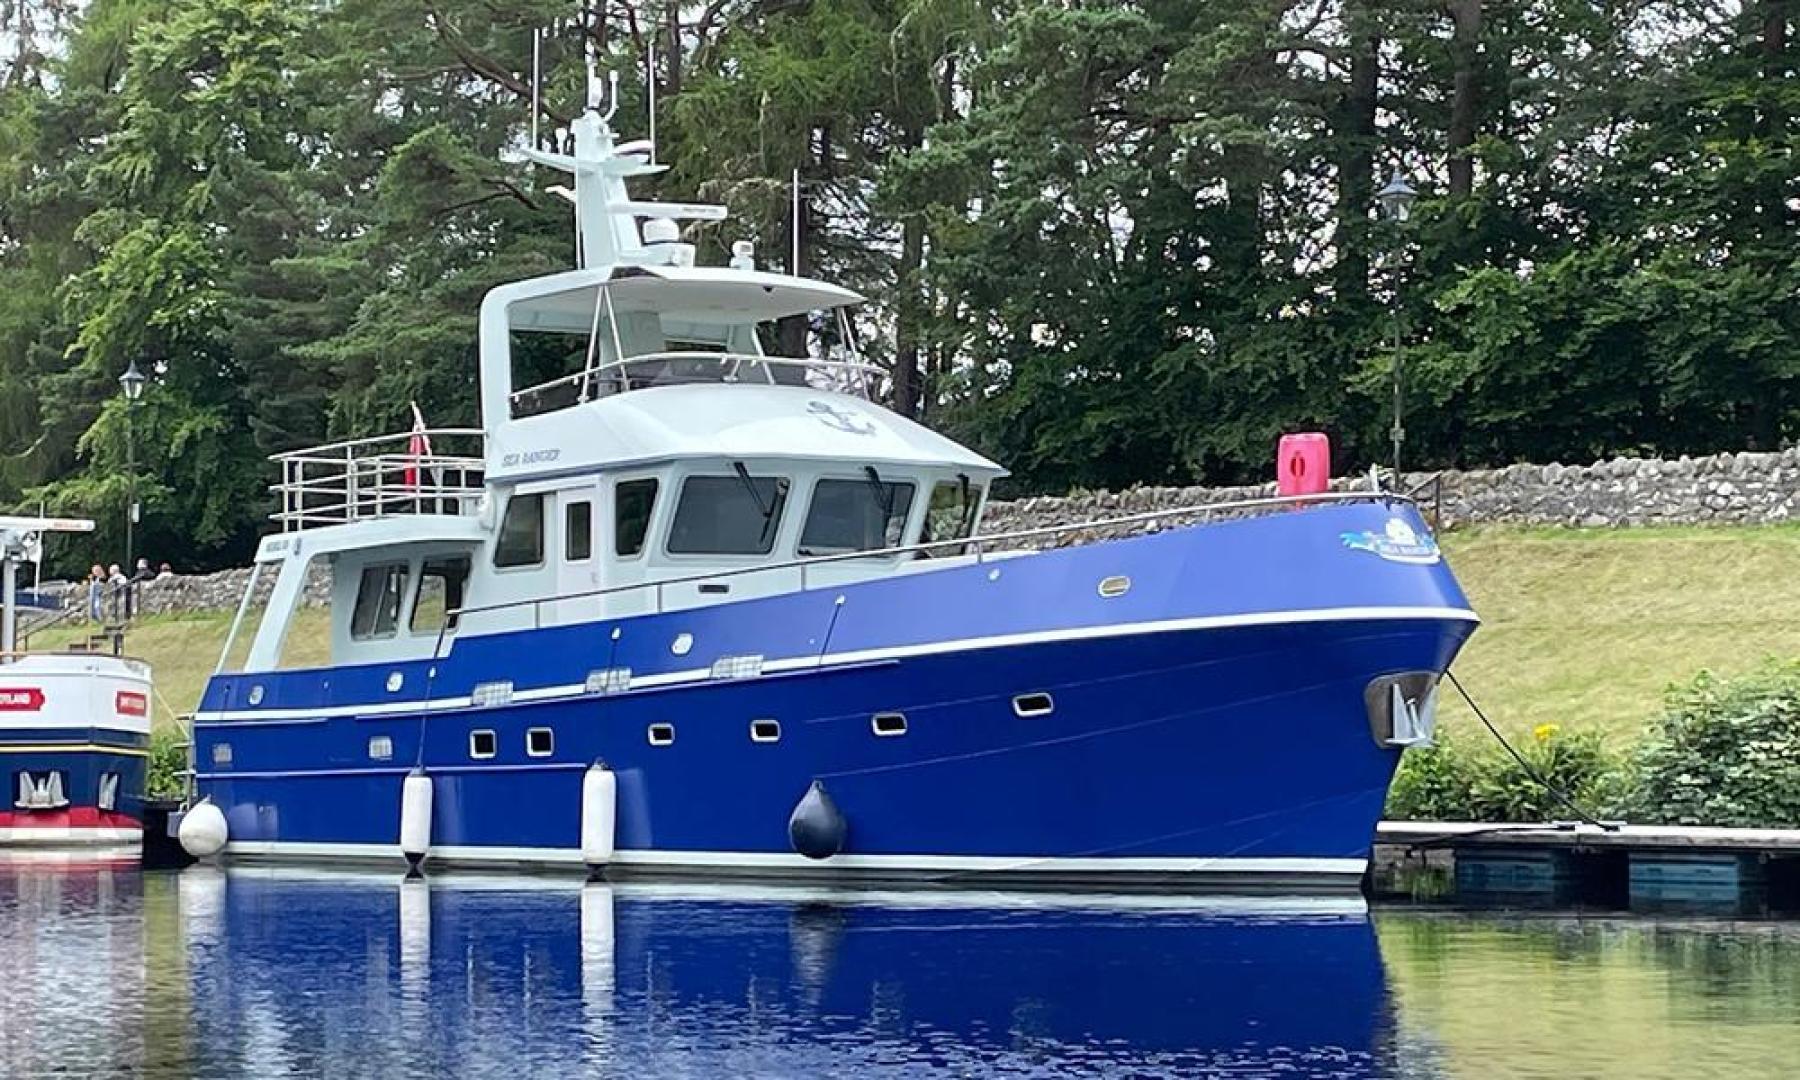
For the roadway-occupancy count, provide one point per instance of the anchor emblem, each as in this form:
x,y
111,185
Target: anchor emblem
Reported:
x,y
842,419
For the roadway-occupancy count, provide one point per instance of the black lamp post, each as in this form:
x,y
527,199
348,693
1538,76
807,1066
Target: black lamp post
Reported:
x,y
132,382
1396,201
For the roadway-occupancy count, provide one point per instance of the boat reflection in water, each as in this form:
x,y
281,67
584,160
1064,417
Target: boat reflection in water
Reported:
x,y
317,973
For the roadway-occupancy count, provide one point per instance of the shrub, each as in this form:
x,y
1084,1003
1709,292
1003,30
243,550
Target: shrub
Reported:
x,y
1724,752
1455,782
168,763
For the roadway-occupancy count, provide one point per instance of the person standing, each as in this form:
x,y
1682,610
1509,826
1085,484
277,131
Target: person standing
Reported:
x,y
96,591
117,583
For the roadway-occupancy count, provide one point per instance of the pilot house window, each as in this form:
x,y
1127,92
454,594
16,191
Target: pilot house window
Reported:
x,y
521,540
951,514
378,598
856,515
728,515
441,582
633,500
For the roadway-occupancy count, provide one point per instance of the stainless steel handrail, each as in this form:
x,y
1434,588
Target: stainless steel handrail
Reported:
x,y
600,371
977,542
363,478
351,444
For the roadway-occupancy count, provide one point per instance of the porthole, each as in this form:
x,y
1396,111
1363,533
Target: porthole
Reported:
x,y
888,723
682,644
256,694
483,743
395,681
765,731
1117,585
540,742
1029,705
662,734
381,748
221,753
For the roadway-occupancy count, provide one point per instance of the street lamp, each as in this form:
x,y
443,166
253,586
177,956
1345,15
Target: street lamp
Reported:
x,y
132,382
1395,201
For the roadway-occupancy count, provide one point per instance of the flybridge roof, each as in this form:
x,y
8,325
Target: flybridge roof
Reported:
x,y
747,422
564,303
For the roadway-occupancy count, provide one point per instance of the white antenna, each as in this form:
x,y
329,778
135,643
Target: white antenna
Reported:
x,y
593,84
650,89
794,261
537,38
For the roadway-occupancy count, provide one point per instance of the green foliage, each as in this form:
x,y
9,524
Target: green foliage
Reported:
x,y
167,776
1453,781
1724,752
1105,242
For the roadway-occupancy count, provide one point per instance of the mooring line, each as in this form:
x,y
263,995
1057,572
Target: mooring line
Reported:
x,y
1562,796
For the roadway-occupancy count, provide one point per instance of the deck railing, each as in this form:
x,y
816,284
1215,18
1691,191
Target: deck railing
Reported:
x,y
680,367
383,476
978,548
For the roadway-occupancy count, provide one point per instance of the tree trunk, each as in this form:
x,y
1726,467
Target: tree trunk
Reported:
x,y
1465,104
908,314
1356,156
672,49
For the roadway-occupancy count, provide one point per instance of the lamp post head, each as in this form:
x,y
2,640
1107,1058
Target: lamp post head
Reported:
x,y
1397,197
133,382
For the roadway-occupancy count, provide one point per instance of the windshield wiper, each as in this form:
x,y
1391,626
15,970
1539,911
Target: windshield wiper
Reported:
x,y
743,474
884,493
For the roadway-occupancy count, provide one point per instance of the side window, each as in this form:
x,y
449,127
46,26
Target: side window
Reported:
x,y
951,514
633,500
728,515
856,515
578,530
521,541
441,583
378,598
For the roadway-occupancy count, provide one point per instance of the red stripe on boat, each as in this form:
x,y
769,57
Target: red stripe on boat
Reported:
x,y
75,817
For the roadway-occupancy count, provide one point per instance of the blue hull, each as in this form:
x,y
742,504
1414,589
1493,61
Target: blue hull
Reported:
x,y
83,760
668,980
1207,725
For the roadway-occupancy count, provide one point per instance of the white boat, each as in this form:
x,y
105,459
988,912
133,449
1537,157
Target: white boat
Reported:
x,y
74,726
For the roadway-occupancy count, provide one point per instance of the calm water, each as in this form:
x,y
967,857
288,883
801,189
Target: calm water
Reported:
x,y
110,972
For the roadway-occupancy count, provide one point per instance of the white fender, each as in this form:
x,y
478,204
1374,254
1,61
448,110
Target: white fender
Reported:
x,y
203,832
599,814
597,946
415,817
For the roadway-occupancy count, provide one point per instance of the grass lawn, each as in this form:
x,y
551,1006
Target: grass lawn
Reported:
x,y
1584,628
184,649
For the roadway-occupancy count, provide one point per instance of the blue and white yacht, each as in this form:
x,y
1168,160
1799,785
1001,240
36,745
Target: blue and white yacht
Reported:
x,y
684,605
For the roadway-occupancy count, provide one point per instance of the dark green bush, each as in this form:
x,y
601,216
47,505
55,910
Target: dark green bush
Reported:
x,y
168,763
1724,752
1455,781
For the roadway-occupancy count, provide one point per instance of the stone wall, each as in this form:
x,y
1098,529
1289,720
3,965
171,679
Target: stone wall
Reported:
x,y
220,591
1736,489
1739,489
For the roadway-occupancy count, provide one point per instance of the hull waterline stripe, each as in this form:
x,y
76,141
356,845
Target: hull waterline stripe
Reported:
x,y
834,660
778,861
72,748
391,770
68,834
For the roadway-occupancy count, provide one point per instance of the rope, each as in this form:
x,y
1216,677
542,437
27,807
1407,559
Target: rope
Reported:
x,y
1543,781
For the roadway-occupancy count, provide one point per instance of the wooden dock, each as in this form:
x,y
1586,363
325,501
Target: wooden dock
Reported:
x,y
1632,867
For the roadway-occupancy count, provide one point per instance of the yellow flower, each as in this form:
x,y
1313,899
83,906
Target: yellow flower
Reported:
x,y
1544,732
